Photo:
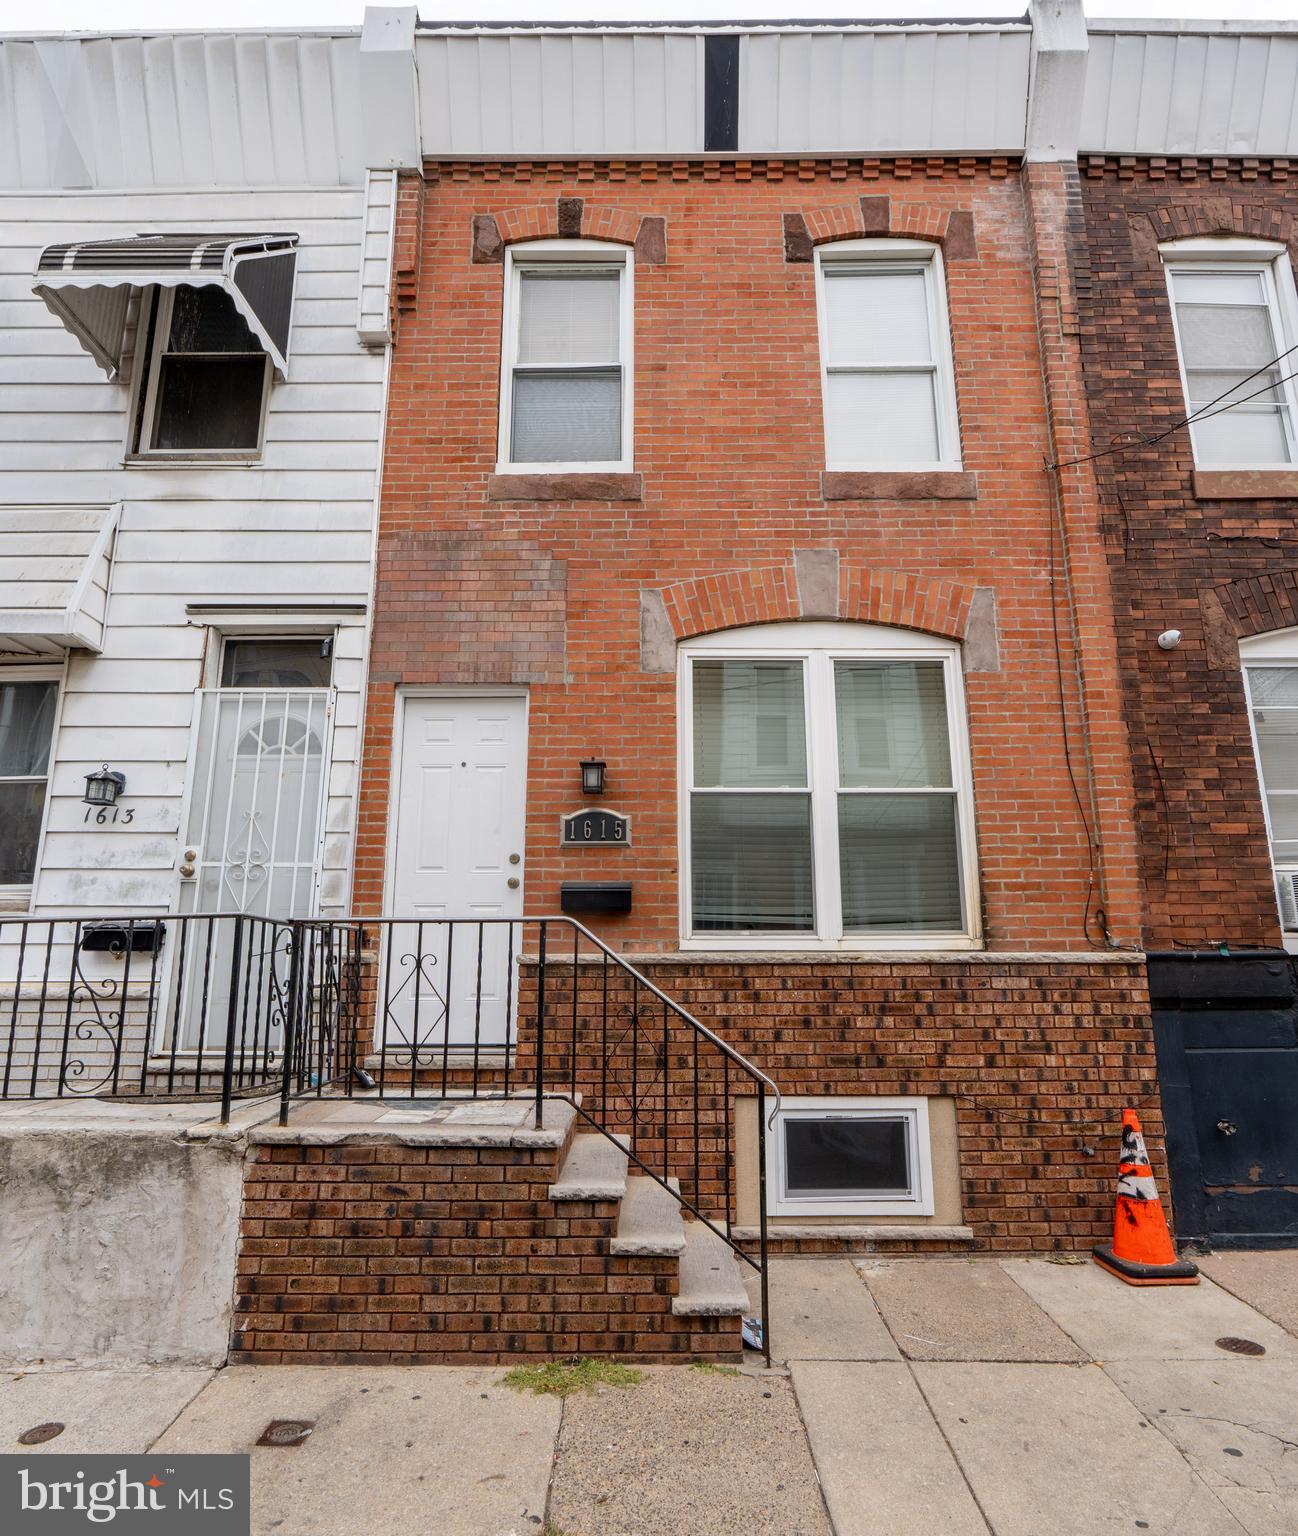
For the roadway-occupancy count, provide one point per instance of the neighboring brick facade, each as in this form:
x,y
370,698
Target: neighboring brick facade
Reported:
x,y
417,1255
1041,1058
1214,568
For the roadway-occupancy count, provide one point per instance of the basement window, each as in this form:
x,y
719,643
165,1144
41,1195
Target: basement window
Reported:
x,y
843,1157
566,358
204,383
1236,324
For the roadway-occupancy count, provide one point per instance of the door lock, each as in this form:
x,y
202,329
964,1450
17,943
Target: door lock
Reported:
x,y
512,882
1227,1127
515,858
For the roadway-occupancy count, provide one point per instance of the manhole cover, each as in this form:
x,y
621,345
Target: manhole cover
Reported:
x,y
1241,1346
39,1434
286,1431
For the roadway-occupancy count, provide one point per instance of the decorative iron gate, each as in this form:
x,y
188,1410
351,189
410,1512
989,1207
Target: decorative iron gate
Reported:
x,y
255,824
1226,1028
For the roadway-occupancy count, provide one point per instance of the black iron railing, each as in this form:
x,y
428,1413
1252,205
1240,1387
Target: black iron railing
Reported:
x,y
228,1005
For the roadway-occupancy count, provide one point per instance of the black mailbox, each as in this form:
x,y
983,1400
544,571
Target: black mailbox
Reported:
x,y
143,937
590,896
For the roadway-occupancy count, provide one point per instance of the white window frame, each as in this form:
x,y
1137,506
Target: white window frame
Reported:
x,y
886,255
159,303
918,1202
1277,649
1269,260
834,641
19,894
595,253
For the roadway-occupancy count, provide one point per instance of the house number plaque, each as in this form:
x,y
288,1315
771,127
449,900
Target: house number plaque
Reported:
x,y
580,828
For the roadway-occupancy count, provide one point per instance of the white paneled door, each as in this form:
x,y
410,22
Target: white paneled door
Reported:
x,y
457,858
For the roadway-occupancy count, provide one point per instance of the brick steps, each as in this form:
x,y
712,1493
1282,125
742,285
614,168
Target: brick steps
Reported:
x,y
406,1245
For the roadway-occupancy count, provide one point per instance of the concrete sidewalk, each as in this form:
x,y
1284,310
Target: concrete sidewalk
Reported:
x,y
934,1397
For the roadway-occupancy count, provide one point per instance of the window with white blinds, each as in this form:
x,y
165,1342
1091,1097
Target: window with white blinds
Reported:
x,y
889,390
565,394
1272,687
826,788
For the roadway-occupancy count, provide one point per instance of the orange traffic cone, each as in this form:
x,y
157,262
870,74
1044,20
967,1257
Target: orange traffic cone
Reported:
x,y
1142,1251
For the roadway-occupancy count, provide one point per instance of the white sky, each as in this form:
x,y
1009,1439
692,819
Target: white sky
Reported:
x,y
137,15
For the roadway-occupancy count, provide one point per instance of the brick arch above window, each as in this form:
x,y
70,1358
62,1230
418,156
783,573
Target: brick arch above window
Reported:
x,y
569,218
816,584
1221,216
876,218
1255,605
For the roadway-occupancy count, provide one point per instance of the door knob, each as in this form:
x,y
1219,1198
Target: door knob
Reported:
x,y
515,858
1227,1127
512,882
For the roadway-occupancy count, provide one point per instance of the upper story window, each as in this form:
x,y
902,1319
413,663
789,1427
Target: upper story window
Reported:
x,y
826,792
885,355
565,395
204,382
1271,684
28,698
1233,308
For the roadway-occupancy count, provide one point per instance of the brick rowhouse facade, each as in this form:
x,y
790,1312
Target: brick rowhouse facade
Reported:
x,y
580,591
1214,556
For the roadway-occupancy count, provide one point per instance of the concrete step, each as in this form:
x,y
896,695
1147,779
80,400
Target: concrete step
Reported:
x,y
594,1169
649,1222
711,1285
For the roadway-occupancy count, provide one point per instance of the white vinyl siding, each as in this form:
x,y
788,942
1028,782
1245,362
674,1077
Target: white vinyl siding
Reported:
x,y
295,527
1235,338
888,386
826,800
566,358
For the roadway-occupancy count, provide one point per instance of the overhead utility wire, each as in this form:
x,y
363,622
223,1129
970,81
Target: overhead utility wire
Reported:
x,y
1202,414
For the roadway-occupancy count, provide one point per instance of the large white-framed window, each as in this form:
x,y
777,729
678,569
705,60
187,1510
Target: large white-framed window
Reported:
x,y
862,1157
1235,317
826,799
29,697
1270,664
203,381
887,379
567,344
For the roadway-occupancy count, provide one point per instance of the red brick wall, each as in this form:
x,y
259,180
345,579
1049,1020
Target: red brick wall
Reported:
x,y
1041,1059
1214,569
728,440
410,1255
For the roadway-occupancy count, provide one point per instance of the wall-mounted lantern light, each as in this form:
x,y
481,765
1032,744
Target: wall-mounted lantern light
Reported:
x,y
592,776
103,788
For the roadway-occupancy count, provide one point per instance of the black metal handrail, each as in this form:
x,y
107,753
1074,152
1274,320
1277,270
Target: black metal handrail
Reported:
x,y
225,1005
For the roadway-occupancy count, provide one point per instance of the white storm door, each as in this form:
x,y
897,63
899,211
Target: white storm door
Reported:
x,y
457,858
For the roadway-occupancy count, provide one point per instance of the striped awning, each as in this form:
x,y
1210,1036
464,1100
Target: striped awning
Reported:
x,y
89,285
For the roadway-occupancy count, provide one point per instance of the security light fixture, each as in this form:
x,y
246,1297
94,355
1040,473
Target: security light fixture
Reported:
x,y
592,776
104,787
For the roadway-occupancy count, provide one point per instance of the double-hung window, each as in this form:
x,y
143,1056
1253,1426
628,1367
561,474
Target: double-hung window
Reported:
x,y
1271,684
1234,312
566,358
826,794
27,703
885,350
204,379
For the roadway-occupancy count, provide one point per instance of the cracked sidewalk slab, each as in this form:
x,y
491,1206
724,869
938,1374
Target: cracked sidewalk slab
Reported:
x,y
1235,1422
108,1412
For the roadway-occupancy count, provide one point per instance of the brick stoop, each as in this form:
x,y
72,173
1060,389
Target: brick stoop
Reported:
x,y
471,1245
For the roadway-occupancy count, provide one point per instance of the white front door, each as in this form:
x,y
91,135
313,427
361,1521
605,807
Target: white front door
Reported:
x,y
457,858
